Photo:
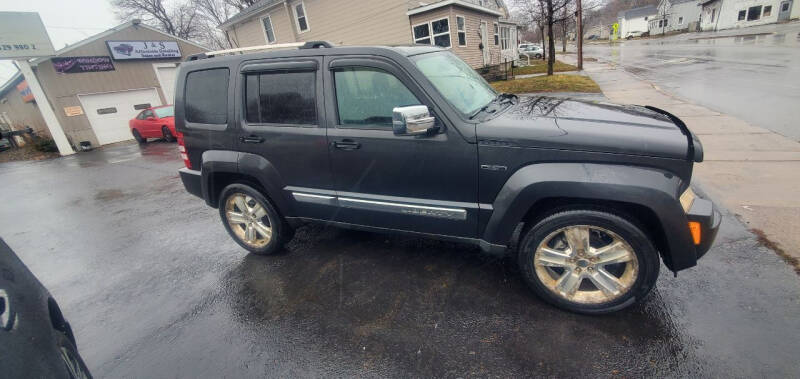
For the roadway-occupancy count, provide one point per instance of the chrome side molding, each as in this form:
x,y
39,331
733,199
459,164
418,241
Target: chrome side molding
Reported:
x,y
459,214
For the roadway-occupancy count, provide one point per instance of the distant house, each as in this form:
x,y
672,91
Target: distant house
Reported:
x,y
728,14
635,21
674,16
479,31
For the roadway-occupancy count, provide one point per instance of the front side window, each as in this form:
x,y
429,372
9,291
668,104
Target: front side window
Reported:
x,y
268,31
206,96
461,25
300,17
286,98
460,85
753,13
742,15
367,96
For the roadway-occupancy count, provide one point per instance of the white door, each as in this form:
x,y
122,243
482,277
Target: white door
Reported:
x,y
109,113
785,10
485,42
165,72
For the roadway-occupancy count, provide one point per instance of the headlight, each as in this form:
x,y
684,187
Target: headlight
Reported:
x,y
687,198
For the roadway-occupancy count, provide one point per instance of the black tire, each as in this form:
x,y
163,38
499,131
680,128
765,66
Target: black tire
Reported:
x,y
167,134
647,259
138,137
281,231
73,363
538,56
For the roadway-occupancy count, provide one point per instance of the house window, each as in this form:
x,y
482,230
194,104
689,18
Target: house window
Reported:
x,y
496,34
754,13
660,23
422,34
767,11
785,7
680,20
461,26
713,13
268,31
300,17
504,36
441,32
742,15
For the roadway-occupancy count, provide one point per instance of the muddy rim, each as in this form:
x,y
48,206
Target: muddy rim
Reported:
x,y
249,220
586,264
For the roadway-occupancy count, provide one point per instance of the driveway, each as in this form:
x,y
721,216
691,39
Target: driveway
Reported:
x,y
754,77
154,287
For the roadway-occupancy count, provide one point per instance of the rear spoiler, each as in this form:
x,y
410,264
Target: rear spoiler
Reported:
x,y
695,150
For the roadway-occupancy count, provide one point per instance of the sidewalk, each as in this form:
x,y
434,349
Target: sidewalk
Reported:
x,y
752,171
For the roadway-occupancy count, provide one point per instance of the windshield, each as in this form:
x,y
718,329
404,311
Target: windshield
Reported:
x,y
461,86
165,111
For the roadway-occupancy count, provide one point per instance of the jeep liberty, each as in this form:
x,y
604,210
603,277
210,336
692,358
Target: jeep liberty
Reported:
x,y
413,140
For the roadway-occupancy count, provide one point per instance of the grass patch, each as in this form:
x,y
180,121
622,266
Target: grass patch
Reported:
x,y
555,83
539,67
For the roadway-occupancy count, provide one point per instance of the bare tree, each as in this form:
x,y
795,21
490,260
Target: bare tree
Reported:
x,y
179,19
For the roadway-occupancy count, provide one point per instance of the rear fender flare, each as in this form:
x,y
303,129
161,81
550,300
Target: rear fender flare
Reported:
x,y
250,167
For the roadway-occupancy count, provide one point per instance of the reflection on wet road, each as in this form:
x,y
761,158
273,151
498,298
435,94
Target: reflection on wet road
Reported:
x,y
755,78
154,287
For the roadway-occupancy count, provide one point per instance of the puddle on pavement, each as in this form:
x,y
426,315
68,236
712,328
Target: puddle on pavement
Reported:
x,y
109,195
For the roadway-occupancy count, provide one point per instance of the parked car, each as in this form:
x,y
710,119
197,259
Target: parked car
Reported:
x,y
5,144
36,341
531,50
636,34
154,122
592,37
412,140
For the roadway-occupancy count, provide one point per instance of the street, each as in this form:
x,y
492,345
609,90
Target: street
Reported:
x,y
754,77
154,287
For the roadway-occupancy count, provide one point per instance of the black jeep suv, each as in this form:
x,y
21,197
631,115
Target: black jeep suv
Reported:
x,y
412,140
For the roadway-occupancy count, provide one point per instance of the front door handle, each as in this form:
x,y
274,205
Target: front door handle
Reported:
x,y
251,139
346,144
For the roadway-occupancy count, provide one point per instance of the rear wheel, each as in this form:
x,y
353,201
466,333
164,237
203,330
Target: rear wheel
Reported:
x,y
252,220
167,134
138,137
588,261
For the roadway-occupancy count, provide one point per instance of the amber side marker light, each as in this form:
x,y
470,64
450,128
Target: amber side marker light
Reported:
x,y
694,227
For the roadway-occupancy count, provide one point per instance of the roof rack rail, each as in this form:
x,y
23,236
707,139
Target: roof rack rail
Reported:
x,y
242,50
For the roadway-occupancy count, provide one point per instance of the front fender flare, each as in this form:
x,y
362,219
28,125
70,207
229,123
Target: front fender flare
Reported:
x,y
654,189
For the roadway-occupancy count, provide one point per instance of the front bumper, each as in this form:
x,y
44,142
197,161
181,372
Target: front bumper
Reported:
x,y
191,180
704,212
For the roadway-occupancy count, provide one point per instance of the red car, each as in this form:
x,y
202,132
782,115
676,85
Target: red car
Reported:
x,y
155,122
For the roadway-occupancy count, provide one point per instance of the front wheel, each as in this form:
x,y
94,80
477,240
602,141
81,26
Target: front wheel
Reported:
x,y
252,221
588,261
138,137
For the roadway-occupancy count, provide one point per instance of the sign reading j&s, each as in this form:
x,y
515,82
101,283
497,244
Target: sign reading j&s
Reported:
x,y
125,50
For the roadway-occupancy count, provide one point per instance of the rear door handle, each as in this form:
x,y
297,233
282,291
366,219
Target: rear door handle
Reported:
x,y
346,144
251,139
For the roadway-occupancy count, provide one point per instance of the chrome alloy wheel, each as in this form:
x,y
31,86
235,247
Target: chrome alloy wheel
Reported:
x,y
249,220
586,264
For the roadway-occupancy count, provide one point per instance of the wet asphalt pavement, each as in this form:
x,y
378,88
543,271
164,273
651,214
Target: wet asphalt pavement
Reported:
x,y
154,287
754,77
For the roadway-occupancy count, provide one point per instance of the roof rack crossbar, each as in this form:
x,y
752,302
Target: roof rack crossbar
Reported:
x,y
242,50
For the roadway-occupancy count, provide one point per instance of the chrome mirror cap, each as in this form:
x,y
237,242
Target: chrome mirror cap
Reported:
x,y
412,120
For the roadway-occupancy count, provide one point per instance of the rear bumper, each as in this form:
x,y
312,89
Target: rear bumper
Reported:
x,y
704,212
191,181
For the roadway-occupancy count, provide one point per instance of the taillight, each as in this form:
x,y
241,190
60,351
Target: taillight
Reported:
x,y
182,150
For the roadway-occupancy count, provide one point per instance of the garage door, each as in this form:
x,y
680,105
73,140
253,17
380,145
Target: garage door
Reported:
x,y
110,112
166,77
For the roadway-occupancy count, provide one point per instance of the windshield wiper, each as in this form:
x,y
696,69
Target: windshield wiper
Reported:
x,y
499,99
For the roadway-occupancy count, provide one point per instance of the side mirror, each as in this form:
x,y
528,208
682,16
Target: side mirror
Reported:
x,y
412,120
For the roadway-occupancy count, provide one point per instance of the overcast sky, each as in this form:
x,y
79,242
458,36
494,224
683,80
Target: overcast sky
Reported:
x,y
67,21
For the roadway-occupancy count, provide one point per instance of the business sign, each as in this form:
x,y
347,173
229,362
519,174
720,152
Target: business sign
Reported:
x,y
22,35
73,111
125,50
72,65
25,91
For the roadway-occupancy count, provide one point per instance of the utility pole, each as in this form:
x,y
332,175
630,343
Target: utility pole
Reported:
x,y
579,27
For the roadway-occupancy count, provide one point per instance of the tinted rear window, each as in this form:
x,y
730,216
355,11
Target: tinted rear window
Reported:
x,y
206,96
281,98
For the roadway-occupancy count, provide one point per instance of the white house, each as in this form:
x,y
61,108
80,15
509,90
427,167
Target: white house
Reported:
x,y
635,20
675,15
728,14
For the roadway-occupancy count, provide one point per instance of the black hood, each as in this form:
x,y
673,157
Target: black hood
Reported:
x,y
557,123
